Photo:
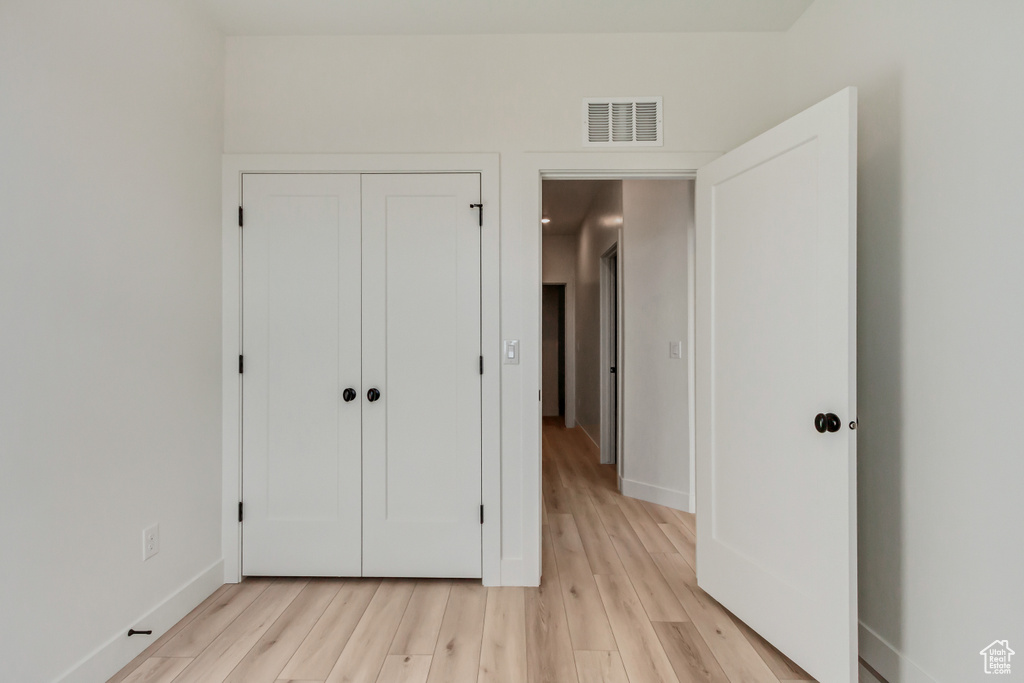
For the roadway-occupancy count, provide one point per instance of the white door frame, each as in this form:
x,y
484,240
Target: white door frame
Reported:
x,y
611,385
487,165
522,179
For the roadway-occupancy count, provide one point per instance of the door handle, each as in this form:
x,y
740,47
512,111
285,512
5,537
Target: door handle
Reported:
x,y
349,395
827,422
372,395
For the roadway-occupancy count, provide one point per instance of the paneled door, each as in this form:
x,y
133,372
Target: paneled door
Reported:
x,y
776,386
421,375
301,432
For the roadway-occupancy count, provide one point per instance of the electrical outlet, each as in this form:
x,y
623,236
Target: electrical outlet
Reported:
x,y
150,541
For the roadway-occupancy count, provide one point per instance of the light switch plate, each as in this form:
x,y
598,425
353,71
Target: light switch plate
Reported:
x,y
675,349
511,355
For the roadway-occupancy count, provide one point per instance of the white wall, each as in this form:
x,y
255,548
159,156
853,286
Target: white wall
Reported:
x,y
940,319
111,133
505,94
558,266
656,215
599,231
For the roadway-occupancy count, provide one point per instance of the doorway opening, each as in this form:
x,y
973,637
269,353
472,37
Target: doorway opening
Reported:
x,y
623,246
553,350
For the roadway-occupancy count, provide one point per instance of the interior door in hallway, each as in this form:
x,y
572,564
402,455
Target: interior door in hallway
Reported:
x,y
421,355
301,477
776,385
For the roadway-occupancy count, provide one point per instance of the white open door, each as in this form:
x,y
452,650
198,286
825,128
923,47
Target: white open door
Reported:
x,y
301,477
776,347
421,353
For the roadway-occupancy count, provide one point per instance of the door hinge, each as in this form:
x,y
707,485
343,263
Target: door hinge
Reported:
x,y
480,209
239,511
481,514
241,365
481,365
240,216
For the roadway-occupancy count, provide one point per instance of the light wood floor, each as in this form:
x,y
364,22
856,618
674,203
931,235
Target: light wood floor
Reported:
x,y
619,603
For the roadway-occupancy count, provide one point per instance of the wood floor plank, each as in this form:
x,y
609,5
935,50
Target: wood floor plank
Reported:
x,y
660,513
593,666
655,593
197,635
405,669
604,495
503,651
643,657
363,656
688,519
170,633
158,670
646,529
320,649
781,665
552,489
417,634
216,662
265,661
598,545
549,654
734,653
684,543
457,654
689,654
588,623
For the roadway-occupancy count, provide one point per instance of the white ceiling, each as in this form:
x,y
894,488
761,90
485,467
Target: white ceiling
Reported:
x,y
447,17
566,203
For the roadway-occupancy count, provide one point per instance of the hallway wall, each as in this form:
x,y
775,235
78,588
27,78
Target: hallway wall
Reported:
x,y
601,228
656,215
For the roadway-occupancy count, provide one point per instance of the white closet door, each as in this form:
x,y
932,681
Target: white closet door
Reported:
x,y
421,349
776,372
301,342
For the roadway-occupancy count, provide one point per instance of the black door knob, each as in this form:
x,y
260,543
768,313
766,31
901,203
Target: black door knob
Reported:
x,y
349,395
827,422
820,423
372,395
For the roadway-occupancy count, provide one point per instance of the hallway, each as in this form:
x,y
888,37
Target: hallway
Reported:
x,y
618,604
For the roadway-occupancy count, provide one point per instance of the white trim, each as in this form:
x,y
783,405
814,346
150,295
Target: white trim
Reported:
x,y
119,650
677,500
691,353
488,167
888,661
521,209
512,572
609,383
590,436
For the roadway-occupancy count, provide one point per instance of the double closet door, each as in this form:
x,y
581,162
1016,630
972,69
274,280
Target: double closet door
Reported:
x,y
361,382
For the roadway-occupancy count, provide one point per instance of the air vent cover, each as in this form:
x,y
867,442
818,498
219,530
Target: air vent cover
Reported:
x,y
622,121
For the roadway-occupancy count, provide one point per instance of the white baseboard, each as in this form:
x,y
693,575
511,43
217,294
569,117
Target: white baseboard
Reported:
x,y
678,500
887,661
113,655
590,436
513,573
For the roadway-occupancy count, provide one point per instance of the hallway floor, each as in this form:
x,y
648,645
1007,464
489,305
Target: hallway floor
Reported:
x,y
618,603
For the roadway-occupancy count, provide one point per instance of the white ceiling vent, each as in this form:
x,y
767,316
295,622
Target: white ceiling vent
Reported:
x,y
622,121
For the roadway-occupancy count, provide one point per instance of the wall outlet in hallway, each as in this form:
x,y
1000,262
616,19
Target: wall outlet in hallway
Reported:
x,y
150,541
